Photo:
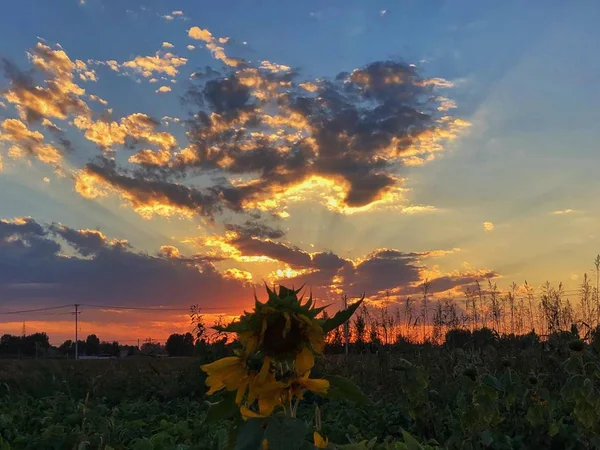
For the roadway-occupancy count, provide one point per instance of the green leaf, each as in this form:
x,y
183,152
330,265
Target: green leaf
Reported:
x,y
250,435
486,438
341,388
285,433
411,442
221,410
554,429
492,382
341,317
233,327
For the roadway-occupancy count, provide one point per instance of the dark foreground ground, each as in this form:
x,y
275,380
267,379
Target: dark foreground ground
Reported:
x,y
497,397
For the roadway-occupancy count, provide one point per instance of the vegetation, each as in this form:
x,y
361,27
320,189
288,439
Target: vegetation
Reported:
x,y
284,382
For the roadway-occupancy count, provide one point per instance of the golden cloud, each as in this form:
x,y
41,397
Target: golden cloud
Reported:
x,y
147,66
95,98
212,44
488,226
61,95
151,157
237,274
169,251
26,142
137,126
163,89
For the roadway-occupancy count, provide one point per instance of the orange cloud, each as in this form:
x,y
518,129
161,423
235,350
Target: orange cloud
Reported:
x,y
147,66
26,142
163,89
60,97
95,98
137,126
212,44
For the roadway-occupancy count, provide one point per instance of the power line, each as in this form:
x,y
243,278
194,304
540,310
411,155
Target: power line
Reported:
x,y
34,310
155,308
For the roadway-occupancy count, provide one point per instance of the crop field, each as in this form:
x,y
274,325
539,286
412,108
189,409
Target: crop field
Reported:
x,y
506,394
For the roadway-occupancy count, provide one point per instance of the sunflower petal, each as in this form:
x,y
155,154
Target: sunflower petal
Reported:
x,y
304,361
241,391
220,364
316,385
247,413
319,441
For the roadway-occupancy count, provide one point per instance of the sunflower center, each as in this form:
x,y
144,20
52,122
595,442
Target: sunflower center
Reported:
x,y
275,343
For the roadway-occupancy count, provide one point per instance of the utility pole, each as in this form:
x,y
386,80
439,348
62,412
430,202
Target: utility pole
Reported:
x,y
346,324
76,313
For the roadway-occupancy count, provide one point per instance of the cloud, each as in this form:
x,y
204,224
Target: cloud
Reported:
x,y
108,271
95,98
61,95
328,274
25,142
563,211
161,63
349,136
488,226
163,89
130,130
167,45
212,44
274,67
191,47
147,196
268,138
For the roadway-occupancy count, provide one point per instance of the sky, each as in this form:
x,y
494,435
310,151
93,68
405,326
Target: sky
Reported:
x,y
159,154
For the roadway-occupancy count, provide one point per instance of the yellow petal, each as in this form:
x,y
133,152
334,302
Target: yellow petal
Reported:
x,y
317,385
215,384
235,378
268,401
248,413
220,364
241,391
319,441
265,445
304,361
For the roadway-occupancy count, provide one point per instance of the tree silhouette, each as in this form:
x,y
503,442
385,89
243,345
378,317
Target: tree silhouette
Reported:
x,y
92,345
180,344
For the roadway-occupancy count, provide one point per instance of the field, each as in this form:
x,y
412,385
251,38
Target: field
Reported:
x,y
504,394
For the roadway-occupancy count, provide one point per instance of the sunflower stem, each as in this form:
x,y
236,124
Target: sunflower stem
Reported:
x,y
295,407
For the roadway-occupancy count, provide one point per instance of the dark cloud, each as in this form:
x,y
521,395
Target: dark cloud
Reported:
x,y
352,129
272,128
146,191
113,274
255,229
86,242
383,270
25,227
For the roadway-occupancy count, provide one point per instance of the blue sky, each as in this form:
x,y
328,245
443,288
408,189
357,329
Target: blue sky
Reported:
x,y
518,150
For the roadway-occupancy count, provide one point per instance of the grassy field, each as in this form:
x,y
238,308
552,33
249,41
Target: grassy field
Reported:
x,y
500,396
